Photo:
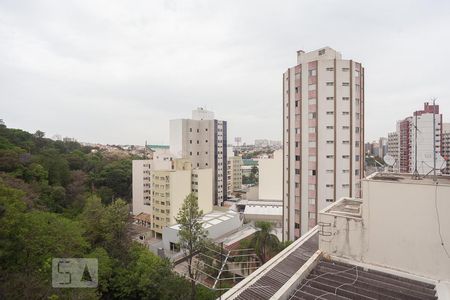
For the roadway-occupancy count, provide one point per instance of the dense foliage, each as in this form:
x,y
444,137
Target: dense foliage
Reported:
x,y
60,199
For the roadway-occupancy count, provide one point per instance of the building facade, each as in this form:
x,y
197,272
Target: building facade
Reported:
x,y
446,147
413,141
270,177
203,140
393,150
323,136
234,178
160,187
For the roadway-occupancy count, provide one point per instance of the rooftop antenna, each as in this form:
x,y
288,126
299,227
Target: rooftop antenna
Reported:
x,y
434,139
145,150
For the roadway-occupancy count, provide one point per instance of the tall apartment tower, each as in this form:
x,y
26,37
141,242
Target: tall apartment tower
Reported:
x,y
323,136
203,140
404,149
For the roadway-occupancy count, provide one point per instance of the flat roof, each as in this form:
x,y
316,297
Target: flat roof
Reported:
x,y
267,209
213,218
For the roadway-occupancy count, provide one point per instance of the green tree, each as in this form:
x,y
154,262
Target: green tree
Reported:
x,y
192,234
264,241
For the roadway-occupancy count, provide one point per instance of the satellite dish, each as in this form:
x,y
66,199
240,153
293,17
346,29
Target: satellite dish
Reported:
x,y
441,163
389,160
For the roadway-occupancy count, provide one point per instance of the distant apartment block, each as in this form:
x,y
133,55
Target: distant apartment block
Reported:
x,y
393,149
402,143
234,179
160,187
323,136
203,140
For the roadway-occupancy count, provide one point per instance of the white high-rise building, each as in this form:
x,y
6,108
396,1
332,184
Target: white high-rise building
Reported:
x,y
323,136
203,140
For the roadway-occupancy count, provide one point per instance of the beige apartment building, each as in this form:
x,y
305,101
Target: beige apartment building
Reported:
x,y
323,136
234,178
203,140
159,189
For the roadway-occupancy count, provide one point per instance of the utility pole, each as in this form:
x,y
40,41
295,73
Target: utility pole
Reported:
x,y
434,139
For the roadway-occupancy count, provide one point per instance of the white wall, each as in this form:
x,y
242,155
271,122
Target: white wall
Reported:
x,y
271,177
205,189
176,138
399,228
180,188
138,186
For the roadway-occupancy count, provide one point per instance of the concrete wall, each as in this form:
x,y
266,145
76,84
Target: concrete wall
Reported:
x,y
205,188
399,228
271,177
403,228
180,188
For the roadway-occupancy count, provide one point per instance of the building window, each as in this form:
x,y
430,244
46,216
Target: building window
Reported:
x,y
345,127
329,185
330,113
312,172
312,101
297,171
329,200
312,158
356,172
357,144
190,129
357,157
190,141
345,171
330,171
345,69
296,103
198,153
345,84
198,142
296,90
330,142
345,113
206,141
311,187
345,98
312,115
312,144
330,98
330,83
310,130
322,52
330,127
356,73
330,69
330,156
311,87
345,186
346,156
312,72
356,129
190,153
296,144
345,142
297,158
297,226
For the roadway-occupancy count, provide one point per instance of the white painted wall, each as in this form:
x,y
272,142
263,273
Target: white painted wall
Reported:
x,y
138,186
271,177
399,228
205,189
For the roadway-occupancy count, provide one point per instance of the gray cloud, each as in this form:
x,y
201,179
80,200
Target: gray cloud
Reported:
x,y
117,71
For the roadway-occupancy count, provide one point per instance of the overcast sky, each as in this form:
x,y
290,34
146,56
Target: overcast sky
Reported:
x,y
117,71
